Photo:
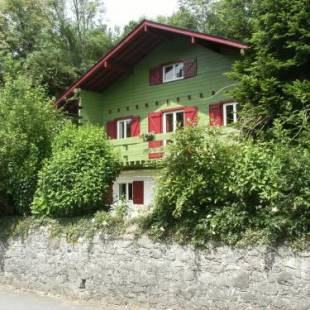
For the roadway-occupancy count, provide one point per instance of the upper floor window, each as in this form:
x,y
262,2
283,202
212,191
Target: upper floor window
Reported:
x,y
173,72
124,129
230,113
172,121
176,70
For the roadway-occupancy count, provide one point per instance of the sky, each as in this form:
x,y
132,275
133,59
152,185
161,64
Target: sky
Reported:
x,y
120,12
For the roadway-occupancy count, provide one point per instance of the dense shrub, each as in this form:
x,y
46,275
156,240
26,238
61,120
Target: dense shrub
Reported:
x,y
77,177
28,123
213,188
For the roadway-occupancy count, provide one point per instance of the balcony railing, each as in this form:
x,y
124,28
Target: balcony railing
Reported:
x,y
135,151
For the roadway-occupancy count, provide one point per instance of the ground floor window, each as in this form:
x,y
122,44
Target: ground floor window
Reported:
x,y
125,191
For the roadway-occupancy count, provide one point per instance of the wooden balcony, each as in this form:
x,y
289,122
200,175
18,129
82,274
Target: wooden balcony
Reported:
x,y
135,152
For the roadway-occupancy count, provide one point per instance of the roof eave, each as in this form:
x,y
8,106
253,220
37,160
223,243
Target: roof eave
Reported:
x,y
143,27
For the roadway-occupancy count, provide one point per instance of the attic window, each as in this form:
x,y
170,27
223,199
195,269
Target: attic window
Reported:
x,y
173,72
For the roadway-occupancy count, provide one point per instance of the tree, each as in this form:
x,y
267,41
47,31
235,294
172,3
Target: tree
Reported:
x,y
274,76
228,18
182,18
77,178
28,123
233,19
56,40
21,23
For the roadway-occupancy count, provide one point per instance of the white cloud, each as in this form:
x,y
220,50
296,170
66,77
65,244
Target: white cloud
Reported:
x,y
120,12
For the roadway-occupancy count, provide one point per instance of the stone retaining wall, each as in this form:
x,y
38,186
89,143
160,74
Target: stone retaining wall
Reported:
x,y
142,274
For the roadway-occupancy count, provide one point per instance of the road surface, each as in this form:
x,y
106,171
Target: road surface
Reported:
x,y
20,300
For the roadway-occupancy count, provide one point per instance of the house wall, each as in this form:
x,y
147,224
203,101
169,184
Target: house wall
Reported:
x,y
132,94
149,178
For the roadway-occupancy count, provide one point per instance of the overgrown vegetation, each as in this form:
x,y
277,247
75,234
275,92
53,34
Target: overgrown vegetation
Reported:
x,y
28,123
214,189
77,178
73,228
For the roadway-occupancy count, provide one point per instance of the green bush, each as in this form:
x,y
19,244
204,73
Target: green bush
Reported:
x,y
77,177
28,123
213,188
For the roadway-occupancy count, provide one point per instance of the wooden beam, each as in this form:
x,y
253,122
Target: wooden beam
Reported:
x,y
119,67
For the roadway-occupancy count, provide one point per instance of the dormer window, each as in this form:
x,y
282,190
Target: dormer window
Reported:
x,y
173,72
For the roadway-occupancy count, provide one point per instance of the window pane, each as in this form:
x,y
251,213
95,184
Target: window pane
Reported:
x,y
121,130
122,190
169,122
179,70
128,128
180,119
130,191
229,114
168,73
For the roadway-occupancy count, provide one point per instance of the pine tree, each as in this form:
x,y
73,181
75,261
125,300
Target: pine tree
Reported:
x,y
274,74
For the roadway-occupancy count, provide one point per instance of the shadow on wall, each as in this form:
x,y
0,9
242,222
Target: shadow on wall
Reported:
x,y
269,258
3,249
9,225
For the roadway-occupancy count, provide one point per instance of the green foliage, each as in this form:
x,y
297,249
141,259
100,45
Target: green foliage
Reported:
x,y
274,75
76,179
56,41
101,222
228,18
71,229
213,189
28,123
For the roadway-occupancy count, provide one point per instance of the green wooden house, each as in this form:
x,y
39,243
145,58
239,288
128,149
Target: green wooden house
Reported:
x,y
158,78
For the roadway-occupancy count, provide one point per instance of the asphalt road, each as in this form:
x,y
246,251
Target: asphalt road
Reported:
x,y
20,300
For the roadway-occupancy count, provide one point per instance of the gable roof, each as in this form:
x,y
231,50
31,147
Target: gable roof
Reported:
x,y
137,44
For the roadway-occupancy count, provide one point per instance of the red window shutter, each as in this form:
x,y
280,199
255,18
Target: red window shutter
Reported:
x,y
190,115
156,76
111,129
155,126
138,192
190,68
135,126
216,114
156,155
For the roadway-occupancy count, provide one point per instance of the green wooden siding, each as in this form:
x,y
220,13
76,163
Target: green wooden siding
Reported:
x,y
132,94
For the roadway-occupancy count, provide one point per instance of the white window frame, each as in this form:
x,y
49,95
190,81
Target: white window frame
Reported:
x,y
127,190
125,131
174,121
174,78
225,105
